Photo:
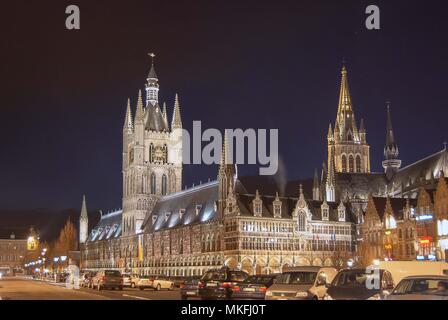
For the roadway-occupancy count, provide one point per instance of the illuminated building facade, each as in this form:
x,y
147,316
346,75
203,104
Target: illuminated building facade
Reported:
x,y
250,225
165,230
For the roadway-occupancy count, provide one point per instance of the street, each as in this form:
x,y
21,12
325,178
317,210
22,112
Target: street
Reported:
x,y
12,288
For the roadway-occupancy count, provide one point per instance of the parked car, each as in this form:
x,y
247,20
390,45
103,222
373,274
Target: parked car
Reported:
x,y
301,283
254,287
108,279
402,269
88,280
358,284
218,284
421,288
154,282
189,289
130,280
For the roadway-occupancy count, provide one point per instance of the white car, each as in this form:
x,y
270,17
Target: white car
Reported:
x,y
156,283
129,280
421,288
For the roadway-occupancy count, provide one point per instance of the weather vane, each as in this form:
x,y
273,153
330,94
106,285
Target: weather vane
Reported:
x,y
152,55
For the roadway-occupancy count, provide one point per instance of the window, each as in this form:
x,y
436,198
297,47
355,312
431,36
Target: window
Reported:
x,y
358,164
301,221
257,208
344,163
351,164
153,183
325,214
164,185
277,210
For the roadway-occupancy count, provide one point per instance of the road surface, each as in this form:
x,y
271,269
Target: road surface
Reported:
x,y
26,289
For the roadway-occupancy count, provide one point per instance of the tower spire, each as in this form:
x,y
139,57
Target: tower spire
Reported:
x,y
391,163
139,114
83,222
177,120
128,126
152,84
345,119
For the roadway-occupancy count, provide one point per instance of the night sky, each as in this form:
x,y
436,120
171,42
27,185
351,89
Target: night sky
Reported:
x,y
245,64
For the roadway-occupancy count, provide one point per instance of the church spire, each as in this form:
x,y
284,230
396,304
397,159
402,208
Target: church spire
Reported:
x,y
345,119
152,84
139,114
177,120
83,222
128,126
391,163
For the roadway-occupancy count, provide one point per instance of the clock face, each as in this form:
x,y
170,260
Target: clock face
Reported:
x,y
159,154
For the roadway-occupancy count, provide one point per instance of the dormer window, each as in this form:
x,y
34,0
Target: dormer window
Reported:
x,y
181,213
325,215
198,209
167,216
277,207
341,212
257,205
154,219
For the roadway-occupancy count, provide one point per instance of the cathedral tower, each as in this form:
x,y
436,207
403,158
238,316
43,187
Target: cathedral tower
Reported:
x,y
152,155
347,146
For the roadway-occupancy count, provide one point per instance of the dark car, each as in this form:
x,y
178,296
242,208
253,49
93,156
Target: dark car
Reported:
x,y
254,287
360,284
108,279
189,288
218,284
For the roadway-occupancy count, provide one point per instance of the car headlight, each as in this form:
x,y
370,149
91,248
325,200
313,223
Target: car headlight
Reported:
x,y
269,293
327,297
375,297
301,294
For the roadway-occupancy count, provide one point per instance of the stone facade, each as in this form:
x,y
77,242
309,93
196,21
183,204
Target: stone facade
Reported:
x,y
12,254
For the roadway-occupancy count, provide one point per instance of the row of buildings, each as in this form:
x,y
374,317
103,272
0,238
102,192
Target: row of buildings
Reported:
x,y
253,223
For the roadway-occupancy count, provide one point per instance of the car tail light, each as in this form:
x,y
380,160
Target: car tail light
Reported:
x,y
226,285
201,285
263,289
236,288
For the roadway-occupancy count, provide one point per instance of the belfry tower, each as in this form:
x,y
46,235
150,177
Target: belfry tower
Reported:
x,y
152,154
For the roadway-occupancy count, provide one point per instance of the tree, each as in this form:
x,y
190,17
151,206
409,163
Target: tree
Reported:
x,y
67,241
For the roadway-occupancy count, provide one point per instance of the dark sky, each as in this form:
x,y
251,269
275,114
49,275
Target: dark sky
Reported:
x,y
247,64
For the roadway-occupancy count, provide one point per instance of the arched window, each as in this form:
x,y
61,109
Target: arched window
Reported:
x,y
164,184
358,164
344,163
301,221
351,164
153,183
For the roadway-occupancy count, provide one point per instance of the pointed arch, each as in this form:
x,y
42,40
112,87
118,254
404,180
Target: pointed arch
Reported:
x,y
358,164
351,164
344,163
